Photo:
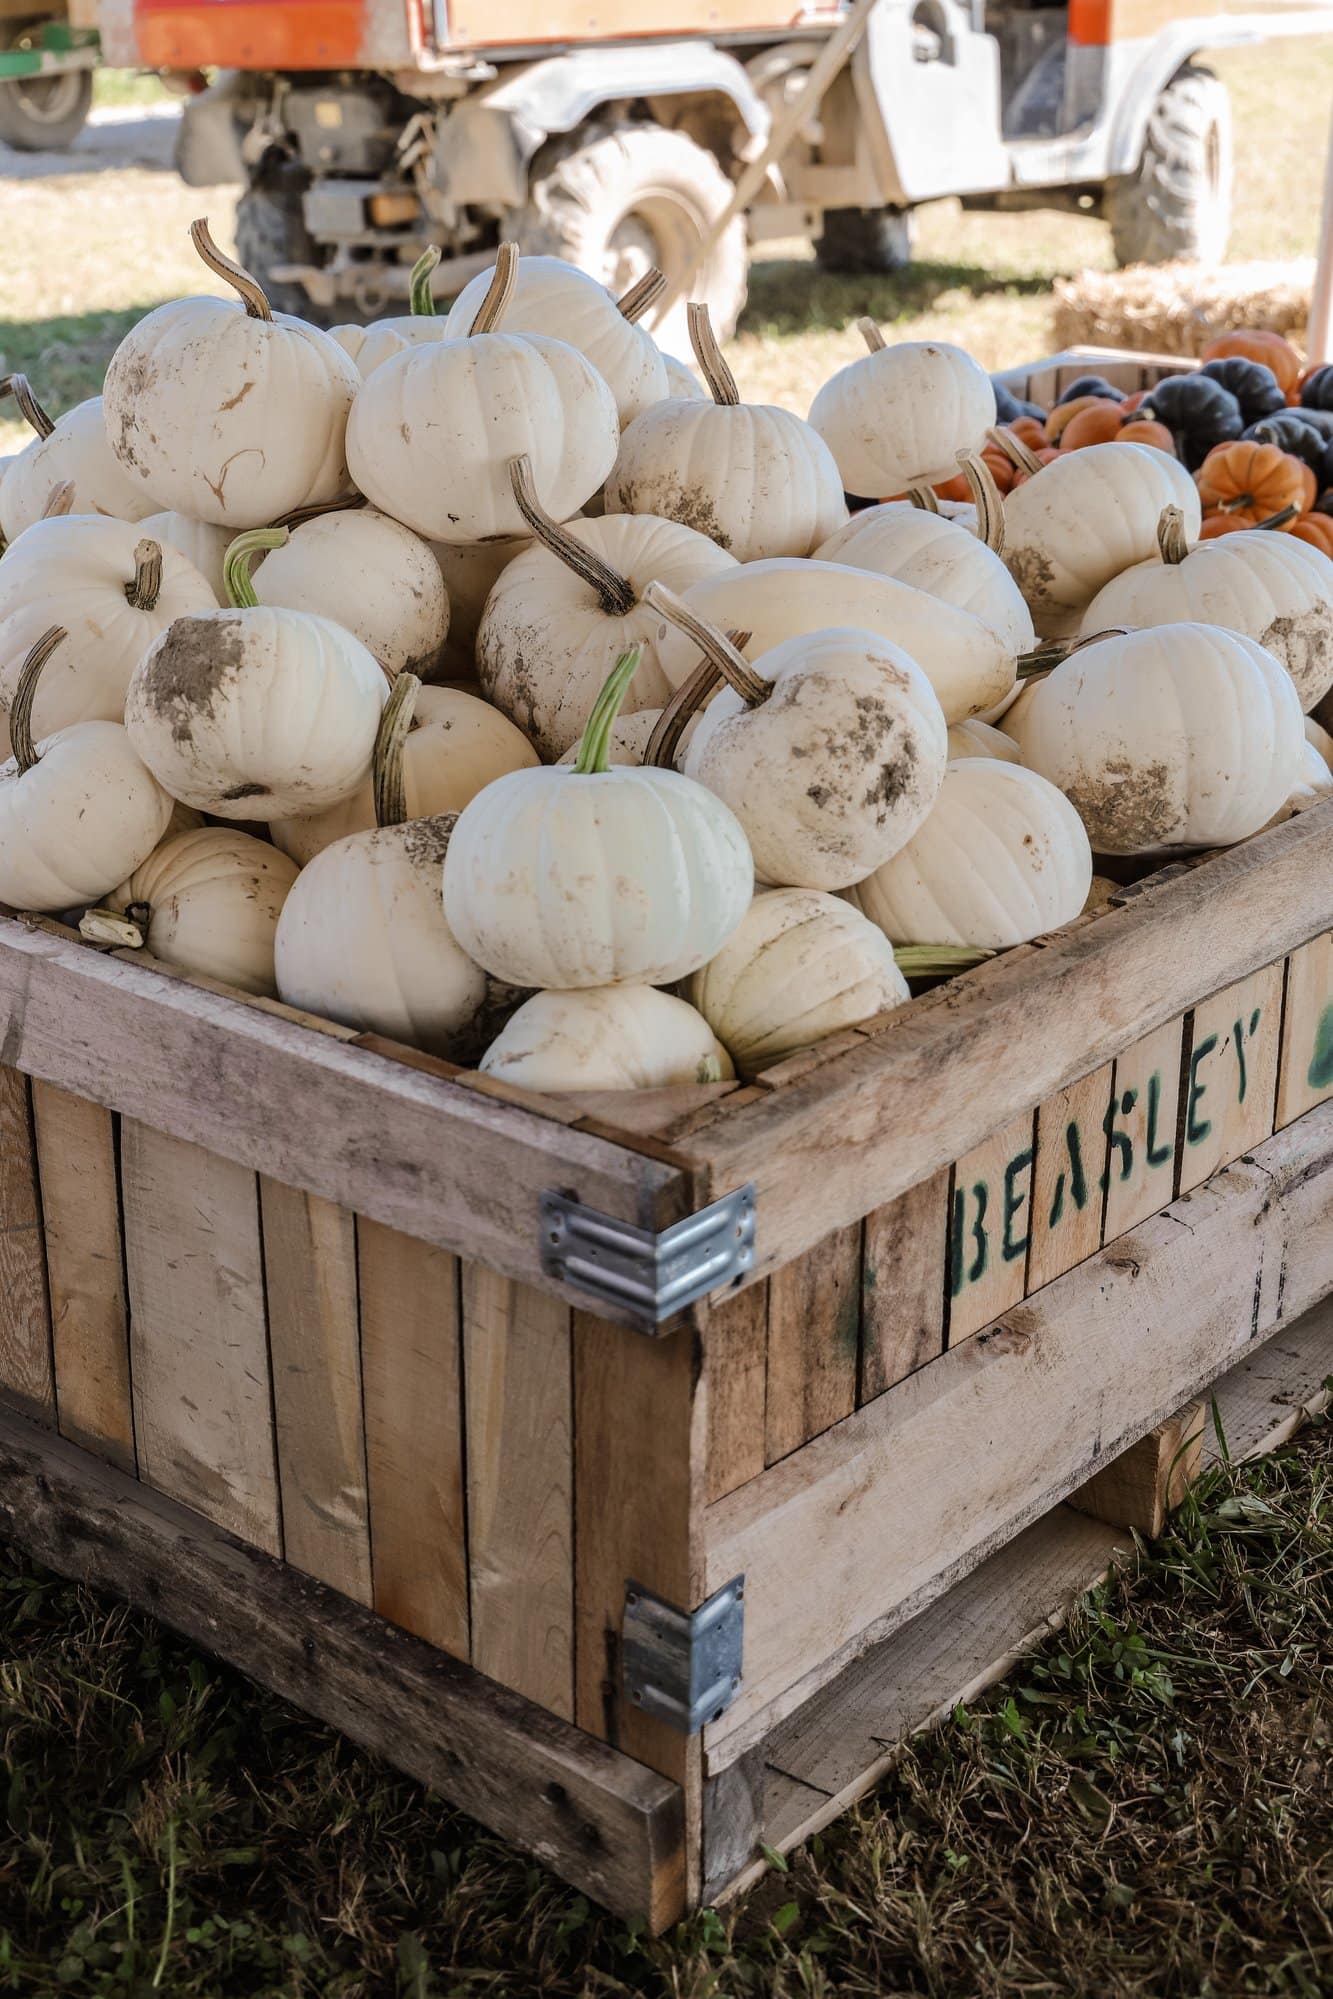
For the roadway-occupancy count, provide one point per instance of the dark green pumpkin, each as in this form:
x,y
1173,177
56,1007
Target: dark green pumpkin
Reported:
x,y
1255,387
1317,391
1091,385
1198,411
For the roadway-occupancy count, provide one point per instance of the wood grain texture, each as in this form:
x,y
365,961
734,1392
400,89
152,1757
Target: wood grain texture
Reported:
x,y
27,1379
814,1321
413,1394
520,1485
90,1332
990,1223
736,1339
904,1260
1231,1075
1142,1486
314,1341
203,1415
1067,1181
1141,1155
611,1828
1305,1071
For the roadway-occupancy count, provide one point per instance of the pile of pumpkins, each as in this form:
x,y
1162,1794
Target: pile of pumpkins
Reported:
x,y
491,681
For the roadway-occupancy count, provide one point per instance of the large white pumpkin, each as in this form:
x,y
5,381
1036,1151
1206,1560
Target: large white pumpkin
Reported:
x,y
226,411
200,542
368,347
373,577
210,901
1270,586
801,966
753,478
607,1038
113,589
589,875
433,431
1177,736
1001,857
899,416
72,450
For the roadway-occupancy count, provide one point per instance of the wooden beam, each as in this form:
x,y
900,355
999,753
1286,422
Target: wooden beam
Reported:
x,y
1139,1488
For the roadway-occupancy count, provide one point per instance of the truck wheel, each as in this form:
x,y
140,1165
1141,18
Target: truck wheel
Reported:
x,y
1178,201
865,239
270,230
617,202
42,114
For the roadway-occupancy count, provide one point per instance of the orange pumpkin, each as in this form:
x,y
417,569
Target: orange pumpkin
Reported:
x,y
1131,403
1317,529
1144,430
1101,423
1253,481
1046,453
956,488
1216,524
1256,344
1028,430
1064,413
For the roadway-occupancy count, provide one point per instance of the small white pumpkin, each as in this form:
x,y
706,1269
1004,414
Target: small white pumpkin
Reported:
x,y
114,590
965,662
200,542
368,347
556,298
607,1038
801,966
79,811
560,616
456,745
830,748
682,382
1319,739
753,478
899,416
71,450
975,738
1001,857
1177,736
226,411
1276,589
251,713
586,875
208,901
370,575
433,431
470,570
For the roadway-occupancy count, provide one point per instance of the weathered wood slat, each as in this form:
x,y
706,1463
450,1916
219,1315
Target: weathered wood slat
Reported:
x,y
1068,1179
1141,1156
904,1259
990,1224
1305,1076
814,1323
26,1374
1139,1488
737,1344
1231,1079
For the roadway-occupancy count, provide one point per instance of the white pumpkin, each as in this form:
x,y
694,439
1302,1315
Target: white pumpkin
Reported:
x,y
1273,587
1001,857
1319,739
113,589
555,298
456,745
210,902
226,411
368,347
899,416
560,616
682,382
74,450
252,713
1316,777
1083,518
975,738
830,748
607,1038
433,431
470,570
1177,736
200,542
800,967
753,478
588,875
78,811
964,661
370,575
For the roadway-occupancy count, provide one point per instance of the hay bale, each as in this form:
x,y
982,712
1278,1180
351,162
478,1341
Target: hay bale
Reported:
x,y
1179,308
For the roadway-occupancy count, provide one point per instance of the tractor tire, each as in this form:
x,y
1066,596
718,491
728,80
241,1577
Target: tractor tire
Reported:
x,y
617,201
1177,204
270,230
865,240
41,114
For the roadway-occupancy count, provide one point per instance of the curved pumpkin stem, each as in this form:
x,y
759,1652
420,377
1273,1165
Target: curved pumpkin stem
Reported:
x,y
252,294
925,498
721,382
614,591
145,587
386,763
122,930
594,757
870,333
642,297
422,298
1041,660
1172,540
59,501
986,494
1014,449
20,713
1279,519
496,302
236,564
20,388
662,745
298,516
729,660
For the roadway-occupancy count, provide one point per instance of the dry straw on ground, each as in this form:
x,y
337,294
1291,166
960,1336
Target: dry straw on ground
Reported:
x,y
1179,308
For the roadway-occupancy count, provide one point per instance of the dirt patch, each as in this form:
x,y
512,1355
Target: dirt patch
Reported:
x,y
1304,644
1127,806
426,841
673,501
1033,572
192,666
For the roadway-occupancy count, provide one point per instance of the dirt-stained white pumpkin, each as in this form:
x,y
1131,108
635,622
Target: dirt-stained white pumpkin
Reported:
x,y
73,449
1318,737
607,1038
210,901
1001,857
975,738
1176,736
200,542
372,576
227,411
899,416
369,346
801,966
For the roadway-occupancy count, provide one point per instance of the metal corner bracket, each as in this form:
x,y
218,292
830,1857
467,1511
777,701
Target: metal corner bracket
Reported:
x,y
684,1667
642,1277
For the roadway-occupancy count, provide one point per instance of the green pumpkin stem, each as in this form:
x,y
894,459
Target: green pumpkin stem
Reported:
x,y
20,714
422,297
938,961
594,757
386,764
236,564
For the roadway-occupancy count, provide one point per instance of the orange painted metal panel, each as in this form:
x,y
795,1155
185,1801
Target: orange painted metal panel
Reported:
x,y
277,34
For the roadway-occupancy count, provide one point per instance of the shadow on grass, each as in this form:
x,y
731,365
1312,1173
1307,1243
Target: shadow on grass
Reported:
x,y
65,357
792,296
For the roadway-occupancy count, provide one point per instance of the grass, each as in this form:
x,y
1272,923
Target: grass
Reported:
x,y
1144,1810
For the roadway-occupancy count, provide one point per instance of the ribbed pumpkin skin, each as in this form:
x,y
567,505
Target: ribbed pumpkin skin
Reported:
x,y
1083,519
1178,736
938,556
1275,589
432,432
215,897
607,1038
229,419
800,966
77,450
372,576
76,825
1002,857
369,347
899,417
975,738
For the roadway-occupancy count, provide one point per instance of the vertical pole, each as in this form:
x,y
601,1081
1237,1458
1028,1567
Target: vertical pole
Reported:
x,y
1319,340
